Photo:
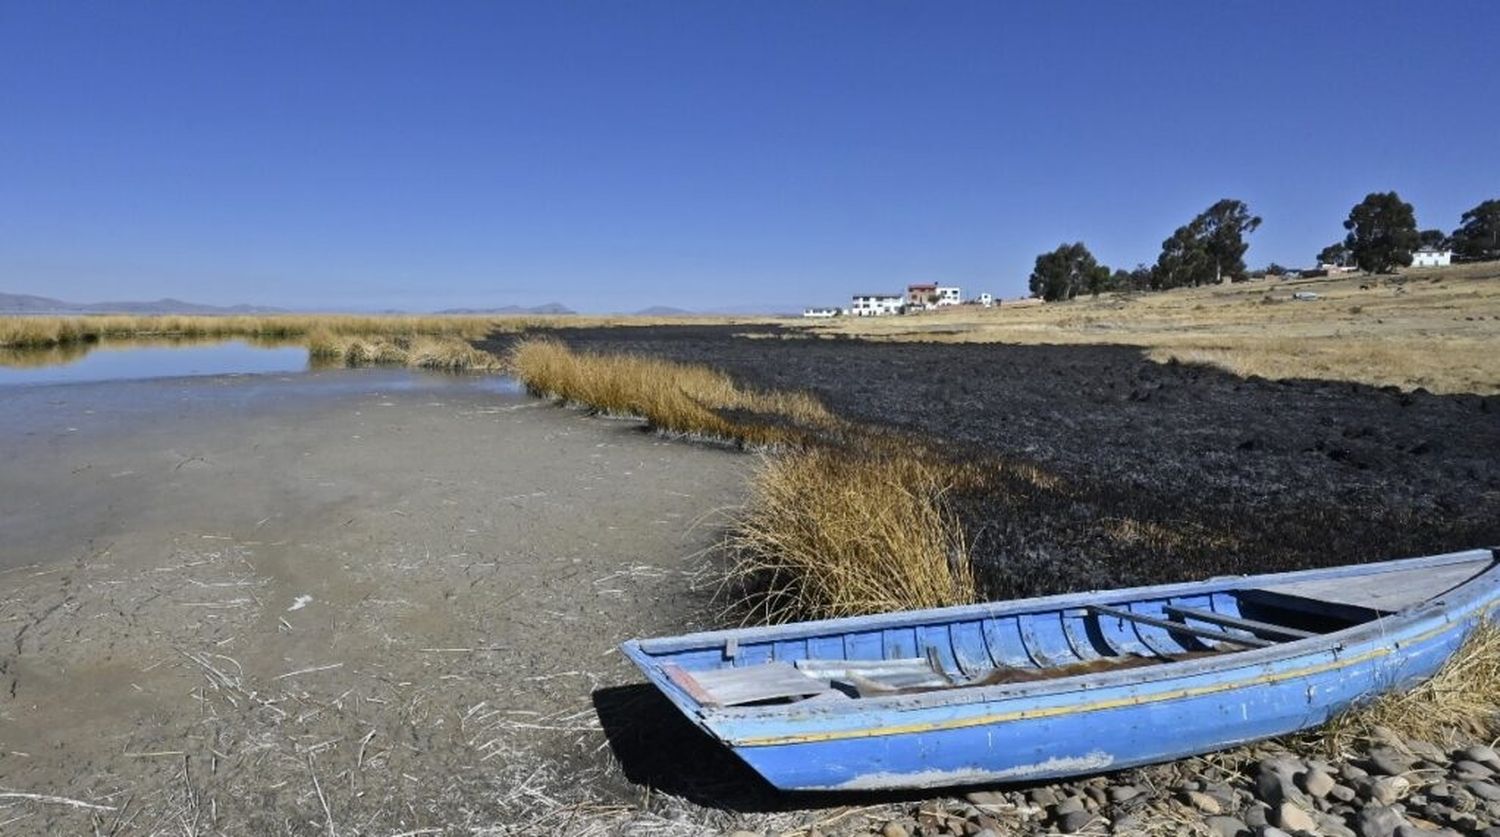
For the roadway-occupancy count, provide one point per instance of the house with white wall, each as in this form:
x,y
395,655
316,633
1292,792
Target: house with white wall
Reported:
x,y
820,312
877,305
948,295
1431,257
986,299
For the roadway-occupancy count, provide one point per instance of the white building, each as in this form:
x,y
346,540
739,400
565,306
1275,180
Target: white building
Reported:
x,y
876,305
949,295
1431,257
987,300
820,312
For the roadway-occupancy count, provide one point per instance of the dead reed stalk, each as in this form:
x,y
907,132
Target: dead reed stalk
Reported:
x,y
674,397
827,533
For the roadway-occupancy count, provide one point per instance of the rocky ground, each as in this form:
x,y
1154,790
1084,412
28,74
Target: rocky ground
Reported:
x,y
1398,788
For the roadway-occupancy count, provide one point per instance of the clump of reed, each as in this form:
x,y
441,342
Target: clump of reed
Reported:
x,y
32,332
452,354
1461,702
673,397
828,532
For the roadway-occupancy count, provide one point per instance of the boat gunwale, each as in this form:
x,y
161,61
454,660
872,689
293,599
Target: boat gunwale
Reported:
x,y
1055,602
1403,622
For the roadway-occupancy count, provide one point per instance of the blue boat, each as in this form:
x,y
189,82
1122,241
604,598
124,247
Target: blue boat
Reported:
x,y
1064,685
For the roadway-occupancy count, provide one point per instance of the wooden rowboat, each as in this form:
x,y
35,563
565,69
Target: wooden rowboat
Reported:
x,y
1064,685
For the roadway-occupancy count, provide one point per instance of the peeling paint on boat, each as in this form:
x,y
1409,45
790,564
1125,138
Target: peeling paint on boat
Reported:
x,y
1094,762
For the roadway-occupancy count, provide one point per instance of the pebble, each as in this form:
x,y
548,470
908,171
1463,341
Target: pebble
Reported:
x,y
1122,793
1470,771
1070,805
1484,790
1388,762
1227,826
1482,754
1378,821
1317,783
1388,789
894,829
1203,802
1343,793
986,797
1292,818
1273,831
1075,821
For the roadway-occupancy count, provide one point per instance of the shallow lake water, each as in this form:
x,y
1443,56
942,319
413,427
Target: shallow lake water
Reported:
x,y
134,361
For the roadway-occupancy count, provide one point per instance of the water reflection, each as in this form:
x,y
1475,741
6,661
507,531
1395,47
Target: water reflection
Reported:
x,y
152,358
142,359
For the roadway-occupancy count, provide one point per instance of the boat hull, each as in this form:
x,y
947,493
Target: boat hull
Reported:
x,y
1099,730
1415,614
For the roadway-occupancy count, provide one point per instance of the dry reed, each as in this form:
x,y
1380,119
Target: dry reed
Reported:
x,y
673,397
448,353
827,533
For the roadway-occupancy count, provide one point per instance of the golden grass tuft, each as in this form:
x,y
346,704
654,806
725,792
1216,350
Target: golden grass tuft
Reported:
x,y
447,353
674,397
1459,703
827,534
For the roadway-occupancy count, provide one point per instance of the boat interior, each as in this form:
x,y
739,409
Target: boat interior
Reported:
x,y
967,651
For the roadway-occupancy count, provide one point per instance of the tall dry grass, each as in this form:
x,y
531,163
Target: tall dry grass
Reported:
x,y
29,332
674,397
448,353
827,533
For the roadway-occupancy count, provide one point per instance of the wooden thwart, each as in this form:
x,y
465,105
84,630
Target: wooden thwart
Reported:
x,y
1179,627
1239,622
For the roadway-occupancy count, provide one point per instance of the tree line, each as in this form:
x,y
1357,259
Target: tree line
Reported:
x,y
1381,234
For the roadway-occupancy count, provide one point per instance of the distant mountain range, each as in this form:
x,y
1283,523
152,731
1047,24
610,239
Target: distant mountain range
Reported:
x,y
29,304
549,308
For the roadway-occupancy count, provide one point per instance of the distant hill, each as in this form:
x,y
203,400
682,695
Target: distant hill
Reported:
x,y
549,308
663,311
30,304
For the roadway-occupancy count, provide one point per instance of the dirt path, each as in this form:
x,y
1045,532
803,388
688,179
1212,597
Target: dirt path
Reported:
x,y
331,604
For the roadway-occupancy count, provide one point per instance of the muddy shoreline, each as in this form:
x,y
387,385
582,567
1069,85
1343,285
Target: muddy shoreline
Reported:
x,y
1165,471
226,602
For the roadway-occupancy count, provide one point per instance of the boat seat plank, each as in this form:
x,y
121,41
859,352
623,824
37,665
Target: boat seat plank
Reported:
x,y
1249,642
1387,591
746,684
1243,624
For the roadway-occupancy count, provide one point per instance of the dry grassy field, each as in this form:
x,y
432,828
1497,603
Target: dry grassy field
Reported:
x,y
1436,328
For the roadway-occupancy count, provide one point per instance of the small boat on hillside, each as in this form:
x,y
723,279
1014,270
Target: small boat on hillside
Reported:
x,y
1063,685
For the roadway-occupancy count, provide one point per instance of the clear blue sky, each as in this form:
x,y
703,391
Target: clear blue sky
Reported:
x,y
620,154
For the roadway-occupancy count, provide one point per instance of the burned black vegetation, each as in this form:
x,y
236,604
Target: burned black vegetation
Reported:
x,y
1149,472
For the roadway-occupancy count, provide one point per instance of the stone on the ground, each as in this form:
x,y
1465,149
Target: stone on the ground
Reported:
x,y
1343,793
1273,831
1387,761
1122,793
1043,796
1487,791
1203,802
1317,783
1378,821
1227,826
1070,805
1471,771
1075,821
986,797
1293,818
894,829
1389,789
1482,754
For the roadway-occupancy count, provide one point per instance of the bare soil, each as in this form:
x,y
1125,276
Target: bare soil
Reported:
x,y
337,603
1161,472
